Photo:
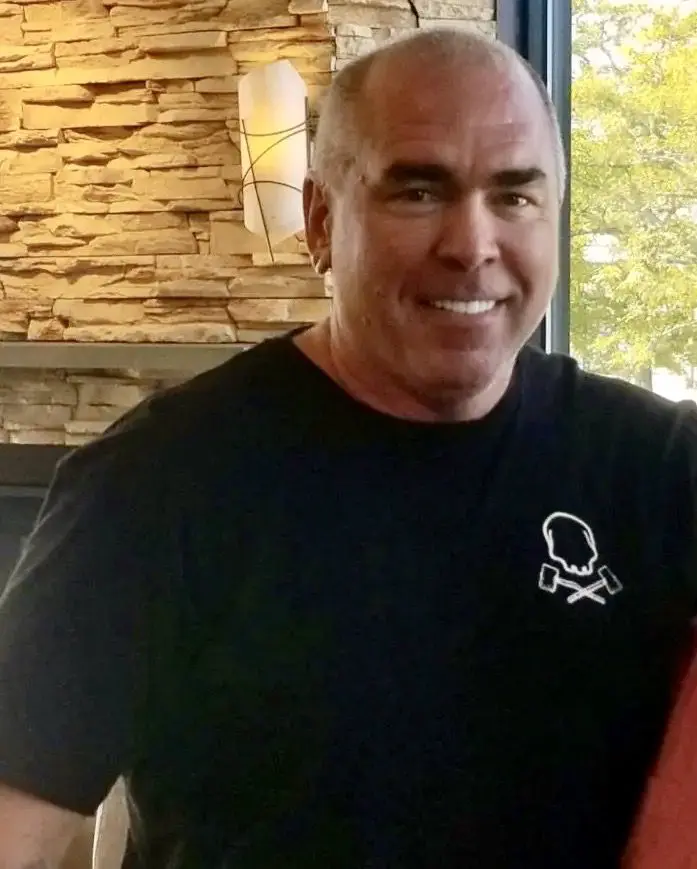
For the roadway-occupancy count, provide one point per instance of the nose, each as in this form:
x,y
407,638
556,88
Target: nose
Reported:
x,y
468,237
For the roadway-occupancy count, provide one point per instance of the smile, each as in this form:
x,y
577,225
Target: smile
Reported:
x,y
458,306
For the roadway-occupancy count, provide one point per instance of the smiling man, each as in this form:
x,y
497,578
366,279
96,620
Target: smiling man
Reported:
x,y
394,591
438,210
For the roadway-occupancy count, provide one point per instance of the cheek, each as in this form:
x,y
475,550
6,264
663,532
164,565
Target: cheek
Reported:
x,y
532,257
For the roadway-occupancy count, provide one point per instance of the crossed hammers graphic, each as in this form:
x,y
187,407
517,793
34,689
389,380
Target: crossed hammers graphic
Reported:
x,y
551,579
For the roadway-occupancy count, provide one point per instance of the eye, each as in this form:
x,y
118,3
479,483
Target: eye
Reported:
x,y
511,199
415,194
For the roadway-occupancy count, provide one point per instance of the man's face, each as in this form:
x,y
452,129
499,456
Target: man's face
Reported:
x,y
443,237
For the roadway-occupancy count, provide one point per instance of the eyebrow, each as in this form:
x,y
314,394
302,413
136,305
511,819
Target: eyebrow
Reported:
x,y
519,177
401,172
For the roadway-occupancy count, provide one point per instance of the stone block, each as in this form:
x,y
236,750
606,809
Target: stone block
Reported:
x,y
191,289
12,250
88,153
307,7
36,415
85,227
49,329
172,160
170,241
61,95
20,189
196,99
453,10
84,428
144,333
83,176
10,111
14,320
50,244
28,139
214,63
375,16
176,206
104,390
29,162
123,15
199,267
279,258
264,14
38,117
7,225
256,285
123,94
76,265
16,58
353,46
96,286
24,208
86,47
222,85
85,30
39,436
183,42
167,189
183,116
77,440
174,311
44,389
42,16
12,30
294,311
363,31
78,312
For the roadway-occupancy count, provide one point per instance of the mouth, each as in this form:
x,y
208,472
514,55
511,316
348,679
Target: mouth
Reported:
x,y
470,308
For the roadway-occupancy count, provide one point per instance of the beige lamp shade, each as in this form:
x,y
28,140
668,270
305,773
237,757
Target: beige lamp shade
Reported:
x,y
273,140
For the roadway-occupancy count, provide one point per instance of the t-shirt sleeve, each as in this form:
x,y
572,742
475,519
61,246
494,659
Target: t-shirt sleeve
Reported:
x,y
74,631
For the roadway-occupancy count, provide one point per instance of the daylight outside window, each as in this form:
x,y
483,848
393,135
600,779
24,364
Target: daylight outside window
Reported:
x,y
633,280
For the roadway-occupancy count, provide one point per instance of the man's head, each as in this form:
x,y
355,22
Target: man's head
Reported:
x,y
434,198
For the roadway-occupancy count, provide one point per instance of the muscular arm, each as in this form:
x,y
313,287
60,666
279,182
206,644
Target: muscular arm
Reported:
x,y
33,834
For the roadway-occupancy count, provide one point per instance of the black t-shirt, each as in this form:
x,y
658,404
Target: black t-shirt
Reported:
x,y
310,634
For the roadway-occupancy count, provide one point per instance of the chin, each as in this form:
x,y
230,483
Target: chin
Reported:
x,y
467,372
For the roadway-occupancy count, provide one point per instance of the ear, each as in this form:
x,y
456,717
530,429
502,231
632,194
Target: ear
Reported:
x,y
318,225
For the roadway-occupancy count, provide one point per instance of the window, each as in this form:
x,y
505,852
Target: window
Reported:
x,y
622,76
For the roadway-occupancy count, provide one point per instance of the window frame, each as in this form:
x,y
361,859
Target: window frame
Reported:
x,y
540,31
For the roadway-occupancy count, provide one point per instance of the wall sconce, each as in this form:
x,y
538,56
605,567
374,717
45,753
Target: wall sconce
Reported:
x,y
275,150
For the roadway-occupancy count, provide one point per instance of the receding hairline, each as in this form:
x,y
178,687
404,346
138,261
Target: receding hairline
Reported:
x,y
342,123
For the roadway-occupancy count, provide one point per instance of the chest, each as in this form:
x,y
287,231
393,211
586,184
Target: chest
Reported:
x,y
481,643
437,585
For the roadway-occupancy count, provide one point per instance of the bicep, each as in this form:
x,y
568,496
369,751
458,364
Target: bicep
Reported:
x,y
33,832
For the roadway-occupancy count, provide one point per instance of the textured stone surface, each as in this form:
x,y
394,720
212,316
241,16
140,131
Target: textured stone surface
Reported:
x,y
120,217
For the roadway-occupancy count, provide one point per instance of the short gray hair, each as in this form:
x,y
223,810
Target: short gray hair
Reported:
x,y
339,132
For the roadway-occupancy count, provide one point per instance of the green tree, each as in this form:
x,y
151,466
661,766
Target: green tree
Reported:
x,y
634,188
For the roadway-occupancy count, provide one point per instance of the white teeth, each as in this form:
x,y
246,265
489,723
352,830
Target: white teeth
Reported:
x,y
460,307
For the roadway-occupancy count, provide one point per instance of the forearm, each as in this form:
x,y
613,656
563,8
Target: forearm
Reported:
x,y
33,833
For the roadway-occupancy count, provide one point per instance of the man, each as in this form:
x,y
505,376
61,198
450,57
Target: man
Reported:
x,y
393,591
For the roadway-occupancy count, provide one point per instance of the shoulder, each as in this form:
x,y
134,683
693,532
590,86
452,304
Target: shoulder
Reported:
x,y
608,408
226,404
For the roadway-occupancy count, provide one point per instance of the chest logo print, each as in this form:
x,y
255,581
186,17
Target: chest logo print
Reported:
x,y
574,555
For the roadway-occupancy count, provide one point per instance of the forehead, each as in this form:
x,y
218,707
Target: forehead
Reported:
x,y
466,117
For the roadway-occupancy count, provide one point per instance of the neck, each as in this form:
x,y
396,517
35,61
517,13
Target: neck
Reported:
x,y
368,383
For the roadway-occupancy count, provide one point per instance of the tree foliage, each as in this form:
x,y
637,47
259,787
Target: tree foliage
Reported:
x,y
634,187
